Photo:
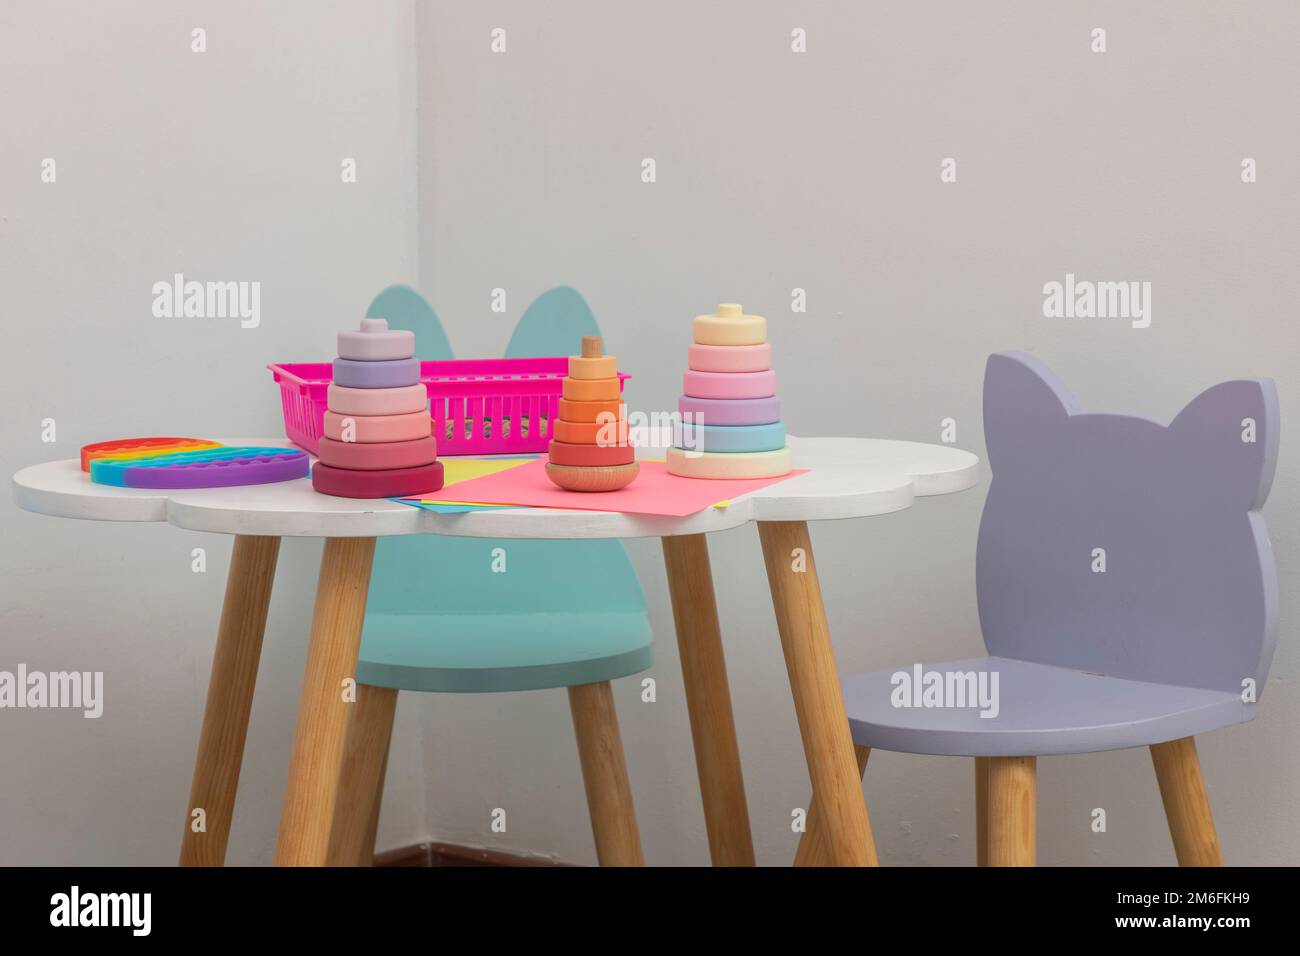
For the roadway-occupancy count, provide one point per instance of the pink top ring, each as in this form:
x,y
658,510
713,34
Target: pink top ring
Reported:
x,y
729,358
378,401
367,429
729,385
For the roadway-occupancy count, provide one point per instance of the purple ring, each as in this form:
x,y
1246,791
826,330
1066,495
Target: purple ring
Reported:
x,y
733,411
393,374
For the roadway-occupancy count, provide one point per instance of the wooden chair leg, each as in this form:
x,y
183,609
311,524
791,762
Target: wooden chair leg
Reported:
x,y
361,776
813,849
708,699
308,812
981,811
230,699
1187,805
1012,811
815,686
604,774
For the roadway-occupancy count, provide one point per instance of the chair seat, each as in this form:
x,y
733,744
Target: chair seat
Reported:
x,y
476,653
1042,710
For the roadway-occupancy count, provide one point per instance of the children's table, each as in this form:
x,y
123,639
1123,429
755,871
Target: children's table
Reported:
x,y
849,478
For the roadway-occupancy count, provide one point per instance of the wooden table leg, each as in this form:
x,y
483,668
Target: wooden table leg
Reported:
x,y
813,850
323,711
708,699
230,699
815,684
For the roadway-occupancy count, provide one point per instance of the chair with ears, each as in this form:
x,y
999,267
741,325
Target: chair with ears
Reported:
x,y
1127,597
565,614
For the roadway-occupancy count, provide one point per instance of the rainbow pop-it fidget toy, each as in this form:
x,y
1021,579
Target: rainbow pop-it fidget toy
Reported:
x,y
177,463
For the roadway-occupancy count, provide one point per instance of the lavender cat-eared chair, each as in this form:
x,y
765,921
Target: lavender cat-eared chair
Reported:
x,y
1127,597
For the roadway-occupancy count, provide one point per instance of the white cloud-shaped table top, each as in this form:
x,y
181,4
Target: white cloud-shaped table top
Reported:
x,y
849,478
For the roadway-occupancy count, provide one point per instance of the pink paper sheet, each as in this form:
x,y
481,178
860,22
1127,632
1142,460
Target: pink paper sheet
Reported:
x,y
655,491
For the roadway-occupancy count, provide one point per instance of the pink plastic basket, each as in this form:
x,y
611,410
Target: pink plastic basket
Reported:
x,y
479,406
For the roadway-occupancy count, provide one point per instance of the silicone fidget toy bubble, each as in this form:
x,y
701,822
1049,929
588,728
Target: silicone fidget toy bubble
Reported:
x,y
138,447
206,468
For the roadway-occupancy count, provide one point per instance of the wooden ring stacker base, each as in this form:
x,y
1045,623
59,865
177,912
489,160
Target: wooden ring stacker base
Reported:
x,y
587,478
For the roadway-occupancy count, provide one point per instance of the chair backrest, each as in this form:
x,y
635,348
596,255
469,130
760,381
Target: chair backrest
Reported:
x,y
430,574
553,325
1122,546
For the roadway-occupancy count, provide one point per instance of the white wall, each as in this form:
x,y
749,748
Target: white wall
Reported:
x,y
775,171
224,166
821,171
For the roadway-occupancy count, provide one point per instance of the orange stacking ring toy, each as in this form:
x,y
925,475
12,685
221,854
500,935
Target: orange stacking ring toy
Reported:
x,y
592,456
589,450
590,411
590,389
591,433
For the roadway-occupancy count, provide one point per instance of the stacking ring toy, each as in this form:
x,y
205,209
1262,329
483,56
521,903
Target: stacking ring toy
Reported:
x,y
121,448
729,385
607,478
378,456
754,464
590,389
605,434
729,438
590,367
375,343
378,401
730,326
748,411
394,374
382,483
729,358
207,468
589,411
378,428
595,456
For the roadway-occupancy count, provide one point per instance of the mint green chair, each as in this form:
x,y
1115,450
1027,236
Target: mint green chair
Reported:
x,y
473,615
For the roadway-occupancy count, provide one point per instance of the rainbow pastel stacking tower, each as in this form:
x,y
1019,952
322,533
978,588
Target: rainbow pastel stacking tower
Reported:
x,y
378,440
730,418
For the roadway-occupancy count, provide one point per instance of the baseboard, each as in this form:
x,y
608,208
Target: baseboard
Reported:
x,y
449,854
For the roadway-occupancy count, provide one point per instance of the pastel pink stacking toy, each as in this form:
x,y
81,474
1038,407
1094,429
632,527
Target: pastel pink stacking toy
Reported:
x,y
378,434
730,418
